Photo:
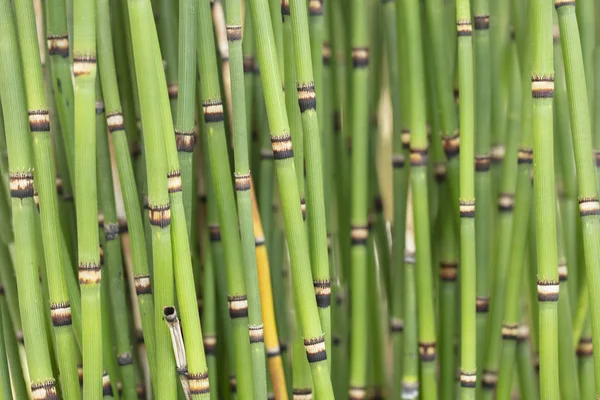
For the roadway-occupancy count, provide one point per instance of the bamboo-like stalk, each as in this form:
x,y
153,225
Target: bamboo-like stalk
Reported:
x,y
266,302
186,100
90,274
410,369
243,179
23,207
409,18
542,91
39,126
483,183
167,29
504,223
589,207
159,211
315,207
5,387
221,179
312,332
316,28
527,381
209,317
115,285
117,128
60,61
170,315
468,331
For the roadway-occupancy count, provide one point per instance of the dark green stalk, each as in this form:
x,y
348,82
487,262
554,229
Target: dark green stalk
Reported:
x,y
115,286
117,128
504,229
221,178
60,62
209,317
527,381
586,21
542,91
167,29
23,207
244,202
483,183
39,127
409,18
251,107
159,211
410,369
316,30
312,332
589,207
5,388
315,207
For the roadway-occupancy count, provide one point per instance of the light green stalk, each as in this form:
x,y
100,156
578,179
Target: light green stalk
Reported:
x,y
542,89
410,368
312,332
468,361
39,127
21,166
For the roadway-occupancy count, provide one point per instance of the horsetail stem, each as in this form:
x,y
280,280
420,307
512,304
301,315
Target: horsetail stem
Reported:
x,y
589,208
212,108
542,91
21,178
288,184
39,126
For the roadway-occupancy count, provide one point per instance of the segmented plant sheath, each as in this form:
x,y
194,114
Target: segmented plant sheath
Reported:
x,y
20,165
248,63
586,361
167,29
483,218
209,317
214,128
186,100
410,20
116,125
589,208
159,209
443,88
112,255
90,274
312,332
170,316
313,161
316,22
266,302
301,382
39,127
542,91
60,56
410,369
586,21
468,362
243,179
448,273
527,380
569,385
504,227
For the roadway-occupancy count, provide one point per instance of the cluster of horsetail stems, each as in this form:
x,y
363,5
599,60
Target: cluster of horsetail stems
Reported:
x,y
298,199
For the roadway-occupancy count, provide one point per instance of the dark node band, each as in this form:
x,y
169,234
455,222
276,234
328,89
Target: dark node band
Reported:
x,y
232,384
506,202
322,293
282,146
174,183
497,153
248,63
451,145
106,386
315,349
238,306
115,122
285,9
467,208
357,393
185,141
597,158
124,359
397,161
111,231
562,270
83,65
159,215
464,28
326,53
210,345
482,22
60,188
360,57
405,138
44,390
547,290
489,379
214,233
468,379
199,383
315,7
562,3
307,99
273,352
99,107
21,185
143,285
242,182
448,271
482,163
90,273
234,33
213,111
525,156
61,314
302,393
173,91
589,206
256,333
482,304
58,45
542,87
585,348
39,120
439,169
140,390
359,235
418,157
427,351
396,325
259,241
